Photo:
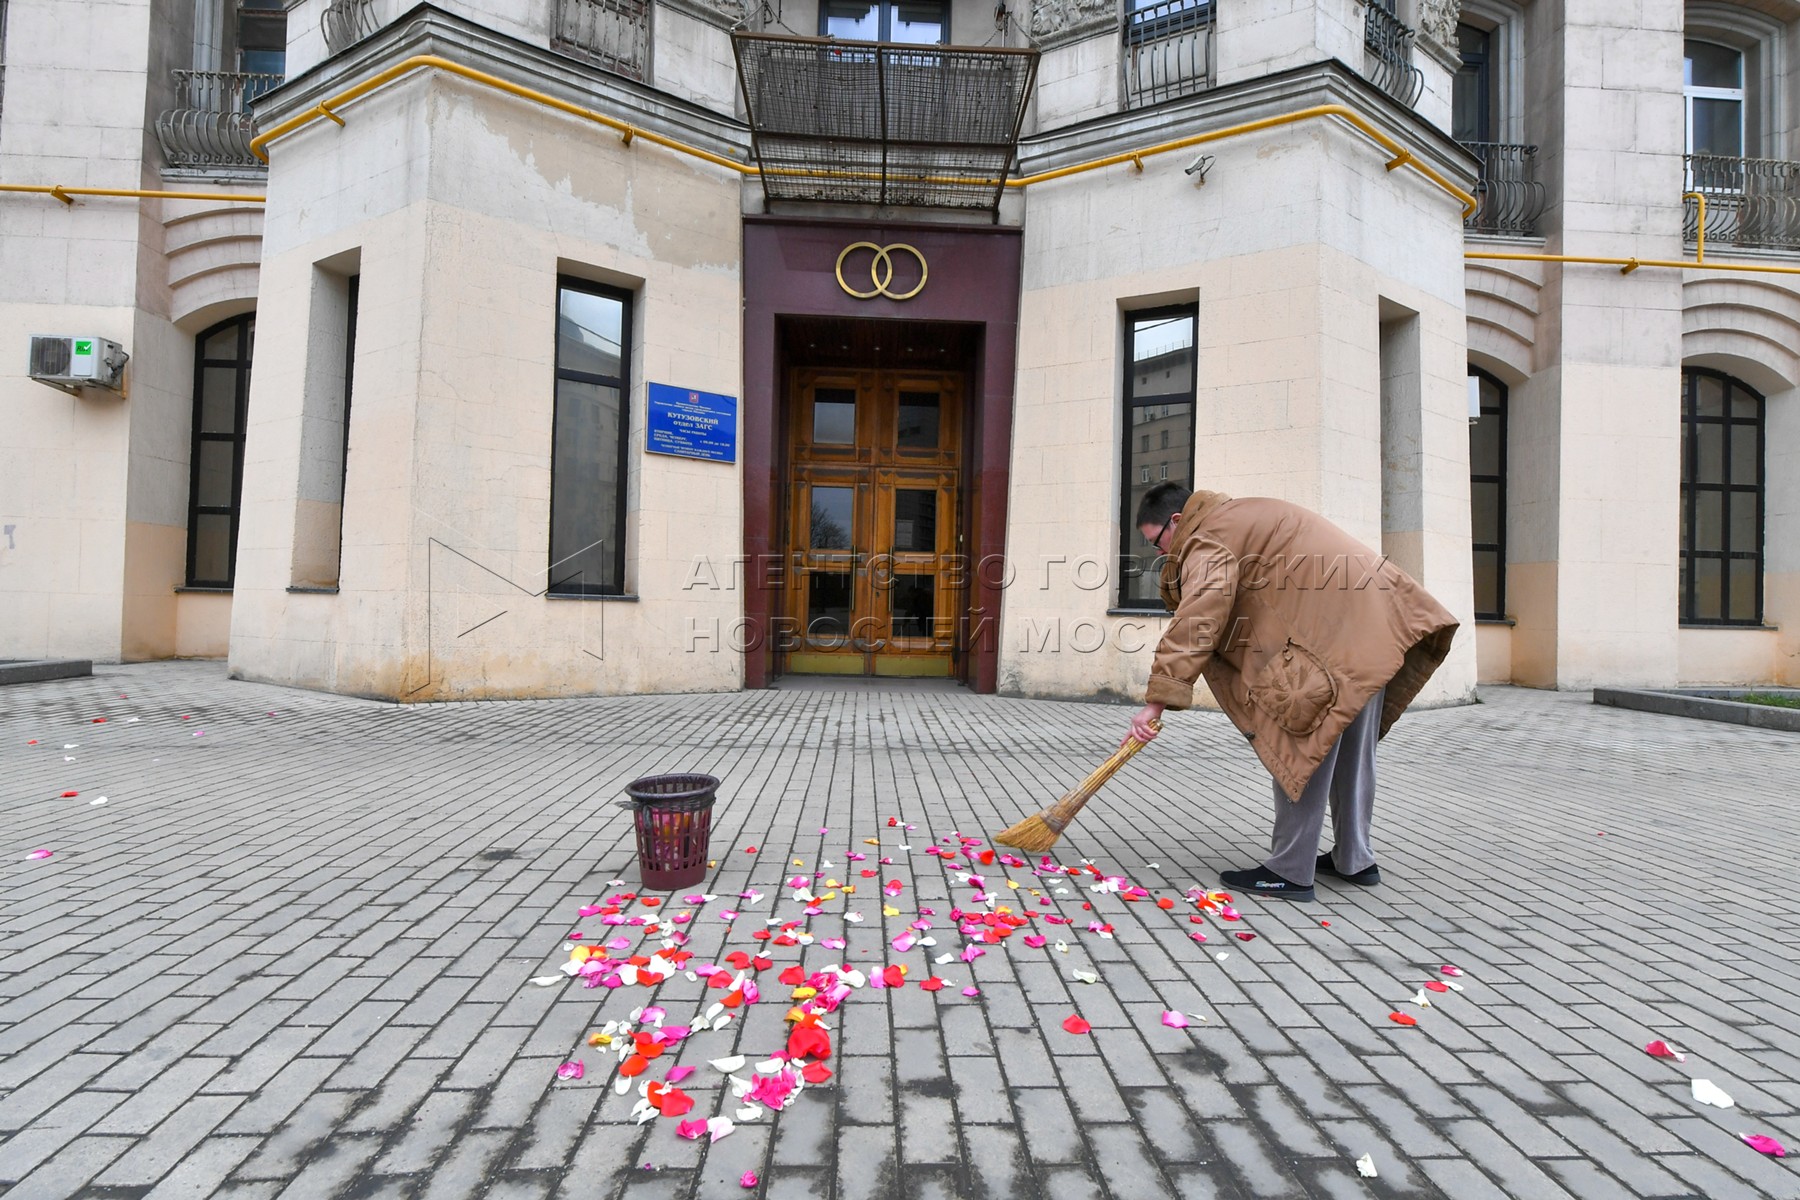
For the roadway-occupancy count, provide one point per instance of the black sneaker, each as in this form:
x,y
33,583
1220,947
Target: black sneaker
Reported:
x,y
1263,883
1369,876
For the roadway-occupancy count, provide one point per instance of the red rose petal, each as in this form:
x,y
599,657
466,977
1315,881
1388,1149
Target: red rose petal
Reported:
x,y
1400,1018
816,1072
1076,1025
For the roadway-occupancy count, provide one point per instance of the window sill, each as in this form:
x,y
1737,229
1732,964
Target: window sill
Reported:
x,y
1738,627
1495,621
1139,612
203,588
302,590
633,599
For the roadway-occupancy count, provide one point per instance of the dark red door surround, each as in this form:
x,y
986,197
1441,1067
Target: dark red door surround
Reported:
x,y
790,270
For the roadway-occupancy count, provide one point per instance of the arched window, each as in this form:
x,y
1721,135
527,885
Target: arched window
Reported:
x,y
216,468
1721,499
1487,493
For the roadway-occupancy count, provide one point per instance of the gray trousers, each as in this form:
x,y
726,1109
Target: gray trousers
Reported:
x,y
1345,781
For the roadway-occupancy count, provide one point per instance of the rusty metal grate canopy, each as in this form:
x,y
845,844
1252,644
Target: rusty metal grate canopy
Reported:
x,y
881,123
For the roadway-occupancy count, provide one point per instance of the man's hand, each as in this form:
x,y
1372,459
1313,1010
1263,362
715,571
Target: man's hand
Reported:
x,y
1141,727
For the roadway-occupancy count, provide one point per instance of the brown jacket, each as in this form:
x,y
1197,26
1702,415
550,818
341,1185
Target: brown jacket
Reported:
x,y
1294,624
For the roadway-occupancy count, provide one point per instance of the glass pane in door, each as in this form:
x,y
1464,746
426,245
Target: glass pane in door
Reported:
x,y
834,416
914,598
828,606
915,521
918,424
833,509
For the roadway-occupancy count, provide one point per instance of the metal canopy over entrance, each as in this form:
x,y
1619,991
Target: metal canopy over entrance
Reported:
x,y
880,123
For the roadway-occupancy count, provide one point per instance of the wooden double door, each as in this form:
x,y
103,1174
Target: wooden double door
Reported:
x,y
876,583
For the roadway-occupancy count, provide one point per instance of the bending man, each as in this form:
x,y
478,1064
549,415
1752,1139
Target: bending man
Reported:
x,y
1311,642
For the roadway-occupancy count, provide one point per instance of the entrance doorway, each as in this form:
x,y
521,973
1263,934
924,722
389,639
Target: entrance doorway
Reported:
x,y
874,489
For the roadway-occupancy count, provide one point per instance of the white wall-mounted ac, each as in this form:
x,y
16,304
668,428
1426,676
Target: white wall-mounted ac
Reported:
x,y
72,363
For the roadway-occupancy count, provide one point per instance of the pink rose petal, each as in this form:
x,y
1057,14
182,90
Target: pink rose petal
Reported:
x,y
1763,1144
1035,941
748,1180
680,1073
970,991
569,1070
1449,970
1174,1020
1662,1049
693,1131
40,854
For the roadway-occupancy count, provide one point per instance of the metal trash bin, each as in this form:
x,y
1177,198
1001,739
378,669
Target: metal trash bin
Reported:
x,y
674,823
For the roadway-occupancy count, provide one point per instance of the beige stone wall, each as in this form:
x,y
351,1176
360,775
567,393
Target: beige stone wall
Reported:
x,y
1289,250
446,501
1493,652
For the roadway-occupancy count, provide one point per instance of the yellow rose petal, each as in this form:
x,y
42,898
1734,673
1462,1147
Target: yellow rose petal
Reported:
x,y
805,993
888,910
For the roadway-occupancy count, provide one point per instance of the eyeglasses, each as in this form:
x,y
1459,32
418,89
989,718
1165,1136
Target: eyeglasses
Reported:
x,y
1152,542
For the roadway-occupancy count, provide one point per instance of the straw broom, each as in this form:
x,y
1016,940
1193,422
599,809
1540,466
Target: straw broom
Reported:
x,y
1036,834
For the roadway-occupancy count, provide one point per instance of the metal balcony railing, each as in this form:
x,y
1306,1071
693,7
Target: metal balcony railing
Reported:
x,y
346,22
211,125
614,34
1509,197
1389,43
1168,50
1750,202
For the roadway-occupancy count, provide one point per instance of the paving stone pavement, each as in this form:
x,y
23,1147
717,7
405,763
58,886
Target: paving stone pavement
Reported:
x,y
289,956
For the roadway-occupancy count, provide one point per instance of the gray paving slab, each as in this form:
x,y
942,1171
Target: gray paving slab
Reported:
x,y
292,956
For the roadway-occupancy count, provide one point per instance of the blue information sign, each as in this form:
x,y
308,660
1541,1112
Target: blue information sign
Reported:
x,y
692,424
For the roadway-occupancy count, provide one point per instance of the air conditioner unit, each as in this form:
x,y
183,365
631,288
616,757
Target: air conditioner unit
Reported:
x,y
72,363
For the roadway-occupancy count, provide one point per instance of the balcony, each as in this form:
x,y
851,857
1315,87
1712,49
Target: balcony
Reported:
x,y
1388,42
1751,203
346,22
612,34
879,123
1168,50
1509,199
211,124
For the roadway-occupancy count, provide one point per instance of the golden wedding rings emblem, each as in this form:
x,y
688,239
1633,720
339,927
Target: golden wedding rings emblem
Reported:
x,y
881,270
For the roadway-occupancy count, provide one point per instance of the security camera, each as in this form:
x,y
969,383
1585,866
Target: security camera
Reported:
x,y
1199,166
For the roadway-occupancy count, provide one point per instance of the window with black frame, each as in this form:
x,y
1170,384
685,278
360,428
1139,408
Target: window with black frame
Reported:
x,y
216,467
1487,494
1159,412
1721,499
1472,89
908,22
587,457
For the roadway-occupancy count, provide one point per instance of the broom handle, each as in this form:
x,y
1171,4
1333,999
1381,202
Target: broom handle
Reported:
x,y
1109,768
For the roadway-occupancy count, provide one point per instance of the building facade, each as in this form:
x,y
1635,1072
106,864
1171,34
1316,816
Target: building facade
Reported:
x,y
600,346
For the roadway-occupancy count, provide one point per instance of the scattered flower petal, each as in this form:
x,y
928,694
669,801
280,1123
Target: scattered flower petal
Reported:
x,y
48,853
1174,1020
718,1127
569,1070
1764,1144
748,1180
1448,970
1084,976
1708,1092
693,1131
1662,1049
1365,1166
1076,1025
1400,1018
